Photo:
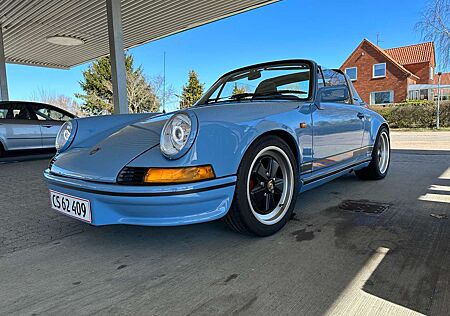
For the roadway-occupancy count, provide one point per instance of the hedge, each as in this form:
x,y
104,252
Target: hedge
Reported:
x,y
414,114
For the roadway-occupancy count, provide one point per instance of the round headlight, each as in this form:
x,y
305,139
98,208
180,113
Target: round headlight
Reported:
x,y
177,134
64,135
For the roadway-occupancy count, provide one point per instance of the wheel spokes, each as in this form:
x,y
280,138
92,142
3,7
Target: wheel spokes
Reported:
x,y
269,202
278,185
274,168
267,184
261,172
269,166
258,189
259,198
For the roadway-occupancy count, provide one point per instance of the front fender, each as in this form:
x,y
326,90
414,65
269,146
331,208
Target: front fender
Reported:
x,y
221,142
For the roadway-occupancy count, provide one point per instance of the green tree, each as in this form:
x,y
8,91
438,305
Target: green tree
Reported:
x,y
238,90
97,87
192,91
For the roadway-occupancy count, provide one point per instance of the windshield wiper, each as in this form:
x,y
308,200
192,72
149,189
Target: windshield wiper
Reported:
x,y
280,93
233,97
216,99
240,96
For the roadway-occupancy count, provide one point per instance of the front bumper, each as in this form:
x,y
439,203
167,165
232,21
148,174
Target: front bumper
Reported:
x,y
167,205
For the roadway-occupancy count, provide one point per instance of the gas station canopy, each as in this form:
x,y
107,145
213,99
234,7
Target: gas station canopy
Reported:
x,y
29,25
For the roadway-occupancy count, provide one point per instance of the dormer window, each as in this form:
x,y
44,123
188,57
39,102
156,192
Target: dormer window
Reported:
x,y
379,70
352,73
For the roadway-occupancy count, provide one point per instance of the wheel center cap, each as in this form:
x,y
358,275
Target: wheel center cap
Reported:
x,y
270,185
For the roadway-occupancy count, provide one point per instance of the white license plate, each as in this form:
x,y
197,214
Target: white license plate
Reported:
x,y
71,205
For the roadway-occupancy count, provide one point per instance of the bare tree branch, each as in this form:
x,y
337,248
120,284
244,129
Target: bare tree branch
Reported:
x,y
435,26
59,100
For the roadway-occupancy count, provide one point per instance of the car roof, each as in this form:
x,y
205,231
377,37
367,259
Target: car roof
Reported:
x,y
24,102
36,103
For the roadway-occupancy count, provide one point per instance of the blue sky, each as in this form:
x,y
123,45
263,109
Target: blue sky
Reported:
x,y
326,31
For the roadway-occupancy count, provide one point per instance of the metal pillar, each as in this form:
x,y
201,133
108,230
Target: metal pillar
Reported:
x,y
438,100
3,80
117,57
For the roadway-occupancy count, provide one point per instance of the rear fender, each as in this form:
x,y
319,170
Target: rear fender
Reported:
x,y
377,122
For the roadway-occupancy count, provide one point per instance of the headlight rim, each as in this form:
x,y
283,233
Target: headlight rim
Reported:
x,y
191,138
71,137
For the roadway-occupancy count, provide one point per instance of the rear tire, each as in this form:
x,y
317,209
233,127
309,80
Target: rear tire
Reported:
x,y
381,155
2,151
266,188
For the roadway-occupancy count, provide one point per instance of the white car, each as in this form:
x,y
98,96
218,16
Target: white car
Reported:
x,y
29,125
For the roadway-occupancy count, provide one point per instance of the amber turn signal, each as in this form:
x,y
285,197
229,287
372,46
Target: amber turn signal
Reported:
x,y
179,175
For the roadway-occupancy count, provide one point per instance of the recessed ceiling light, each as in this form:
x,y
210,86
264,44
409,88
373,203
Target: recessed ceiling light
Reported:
x,y
65,40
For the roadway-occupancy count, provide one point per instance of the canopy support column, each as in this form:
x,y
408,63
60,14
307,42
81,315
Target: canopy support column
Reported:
x,y
117,56
3,79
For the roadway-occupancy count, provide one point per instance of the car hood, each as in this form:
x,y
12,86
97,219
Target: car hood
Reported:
x,y
103,161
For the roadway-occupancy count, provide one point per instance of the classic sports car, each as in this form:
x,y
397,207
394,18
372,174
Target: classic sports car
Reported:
x,y
259,135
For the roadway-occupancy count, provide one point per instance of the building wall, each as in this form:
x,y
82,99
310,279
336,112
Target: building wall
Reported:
x,y
421,70
364,58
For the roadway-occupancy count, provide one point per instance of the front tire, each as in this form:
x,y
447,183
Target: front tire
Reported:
x,y
381,157
266,188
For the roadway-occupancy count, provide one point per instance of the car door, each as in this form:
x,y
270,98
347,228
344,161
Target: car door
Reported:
x,y
338,124
50,120
18,128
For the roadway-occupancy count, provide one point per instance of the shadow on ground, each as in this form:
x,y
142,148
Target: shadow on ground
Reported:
x,y
26,155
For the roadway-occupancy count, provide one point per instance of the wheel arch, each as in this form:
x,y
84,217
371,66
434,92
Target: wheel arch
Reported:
x,y
377,123
384,124
287,137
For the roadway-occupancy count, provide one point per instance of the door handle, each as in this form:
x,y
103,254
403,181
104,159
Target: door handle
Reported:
x,y
360,115
46,126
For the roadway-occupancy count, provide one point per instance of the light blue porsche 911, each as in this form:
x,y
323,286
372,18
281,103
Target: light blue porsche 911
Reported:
x,y
259,136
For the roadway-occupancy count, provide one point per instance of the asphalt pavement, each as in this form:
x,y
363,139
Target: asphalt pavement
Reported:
x,y
354,248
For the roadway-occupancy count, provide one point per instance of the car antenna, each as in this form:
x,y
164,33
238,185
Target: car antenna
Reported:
x,y
164,84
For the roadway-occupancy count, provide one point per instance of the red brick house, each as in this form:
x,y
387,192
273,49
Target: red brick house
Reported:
x,y
392,75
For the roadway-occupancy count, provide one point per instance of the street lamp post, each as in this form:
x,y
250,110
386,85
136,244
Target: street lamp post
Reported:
x,y
439,99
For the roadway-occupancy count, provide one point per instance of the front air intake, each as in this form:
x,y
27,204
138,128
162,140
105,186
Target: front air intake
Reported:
x,y
51,162
132,176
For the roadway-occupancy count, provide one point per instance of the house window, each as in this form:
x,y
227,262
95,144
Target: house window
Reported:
x,y
431,73
352,73
381,97
413,95
379,70
424,94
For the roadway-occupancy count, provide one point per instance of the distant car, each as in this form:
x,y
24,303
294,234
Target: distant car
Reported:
x,y
29,125
260,135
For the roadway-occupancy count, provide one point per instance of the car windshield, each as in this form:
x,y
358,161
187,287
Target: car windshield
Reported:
x,y
290,81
